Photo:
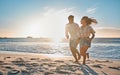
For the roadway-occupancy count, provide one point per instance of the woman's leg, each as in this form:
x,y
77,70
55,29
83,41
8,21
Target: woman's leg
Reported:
x,y
83,52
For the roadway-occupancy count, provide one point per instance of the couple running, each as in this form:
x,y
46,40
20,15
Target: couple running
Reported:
x,y
80,35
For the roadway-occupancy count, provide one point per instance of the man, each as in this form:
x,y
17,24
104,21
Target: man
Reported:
x,y
72,29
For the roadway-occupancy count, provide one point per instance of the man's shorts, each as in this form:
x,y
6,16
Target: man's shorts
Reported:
x,y
73,43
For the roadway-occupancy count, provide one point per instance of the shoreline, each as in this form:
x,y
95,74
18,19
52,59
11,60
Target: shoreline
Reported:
x,y
57,55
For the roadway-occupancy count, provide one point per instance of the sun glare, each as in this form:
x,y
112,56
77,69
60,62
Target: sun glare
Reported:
x,y
31,28
51,23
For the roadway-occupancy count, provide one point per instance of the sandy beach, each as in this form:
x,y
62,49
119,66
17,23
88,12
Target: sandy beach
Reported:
x,y
48,64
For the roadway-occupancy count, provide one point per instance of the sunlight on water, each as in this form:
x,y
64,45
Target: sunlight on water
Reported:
x,y
107,48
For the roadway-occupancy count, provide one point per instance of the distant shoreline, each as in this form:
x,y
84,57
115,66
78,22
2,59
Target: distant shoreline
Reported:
x,y
51,38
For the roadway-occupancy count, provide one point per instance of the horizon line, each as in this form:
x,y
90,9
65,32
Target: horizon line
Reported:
x,y
52,37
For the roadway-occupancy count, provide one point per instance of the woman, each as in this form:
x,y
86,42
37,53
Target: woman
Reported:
x,y
85,32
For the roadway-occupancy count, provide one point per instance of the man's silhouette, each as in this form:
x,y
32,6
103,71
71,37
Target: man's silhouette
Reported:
x,y
71,32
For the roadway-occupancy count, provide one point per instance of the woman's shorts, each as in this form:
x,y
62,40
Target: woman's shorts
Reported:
x,y
85,41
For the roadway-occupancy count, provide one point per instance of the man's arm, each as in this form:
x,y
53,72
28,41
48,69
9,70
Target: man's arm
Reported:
x,y
66,32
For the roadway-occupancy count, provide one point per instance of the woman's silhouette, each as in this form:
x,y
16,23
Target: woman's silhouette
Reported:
x,y
85,32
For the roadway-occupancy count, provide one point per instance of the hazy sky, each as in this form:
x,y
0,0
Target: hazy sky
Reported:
x,y
47,18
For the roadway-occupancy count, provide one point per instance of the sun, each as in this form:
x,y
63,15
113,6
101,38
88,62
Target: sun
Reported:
x,y
31,28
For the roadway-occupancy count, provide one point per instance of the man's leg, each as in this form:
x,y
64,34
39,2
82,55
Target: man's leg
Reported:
x,y
73,49
78,54
73,46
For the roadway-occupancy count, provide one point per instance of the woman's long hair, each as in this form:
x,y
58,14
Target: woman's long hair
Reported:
x,y
88,20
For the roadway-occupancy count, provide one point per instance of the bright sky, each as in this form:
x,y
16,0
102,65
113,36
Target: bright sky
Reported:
x,y
47,18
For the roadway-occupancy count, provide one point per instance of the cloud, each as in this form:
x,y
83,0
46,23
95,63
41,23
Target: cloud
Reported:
x,y
91,10
108,32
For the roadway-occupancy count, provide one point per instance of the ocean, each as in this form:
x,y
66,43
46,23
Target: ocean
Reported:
x,y
104,48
